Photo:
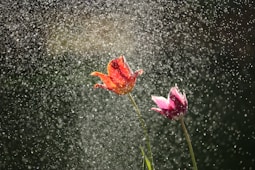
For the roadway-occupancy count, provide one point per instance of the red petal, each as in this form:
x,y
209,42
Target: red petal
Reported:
x,y
105,79
119,71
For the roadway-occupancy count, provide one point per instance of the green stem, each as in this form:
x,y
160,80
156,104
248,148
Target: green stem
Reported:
x,y
143,124
189,144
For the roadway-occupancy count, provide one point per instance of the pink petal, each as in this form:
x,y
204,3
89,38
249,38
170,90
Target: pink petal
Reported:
x,y
172,105
174,93
157,109
161,102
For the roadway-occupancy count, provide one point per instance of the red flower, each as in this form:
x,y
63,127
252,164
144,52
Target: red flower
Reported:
x,y
174,106
120,78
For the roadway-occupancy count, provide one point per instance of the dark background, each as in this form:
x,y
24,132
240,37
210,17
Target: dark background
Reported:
x,y
211,56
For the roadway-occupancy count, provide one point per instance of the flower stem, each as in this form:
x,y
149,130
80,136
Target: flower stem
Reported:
x,y
143,124
192,155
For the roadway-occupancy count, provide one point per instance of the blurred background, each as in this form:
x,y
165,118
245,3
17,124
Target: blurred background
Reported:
x,y
52,118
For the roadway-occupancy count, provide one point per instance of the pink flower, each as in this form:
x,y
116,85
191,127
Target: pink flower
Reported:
x,y
174,106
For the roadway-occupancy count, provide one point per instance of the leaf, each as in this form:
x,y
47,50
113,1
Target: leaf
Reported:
x,y
147,161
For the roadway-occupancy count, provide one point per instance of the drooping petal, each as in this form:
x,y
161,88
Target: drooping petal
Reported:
x,y
108,84
103,86
162,112
157,110
161,102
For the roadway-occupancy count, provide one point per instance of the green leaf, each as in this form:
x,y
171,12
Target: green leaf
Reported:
x,y
147,161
